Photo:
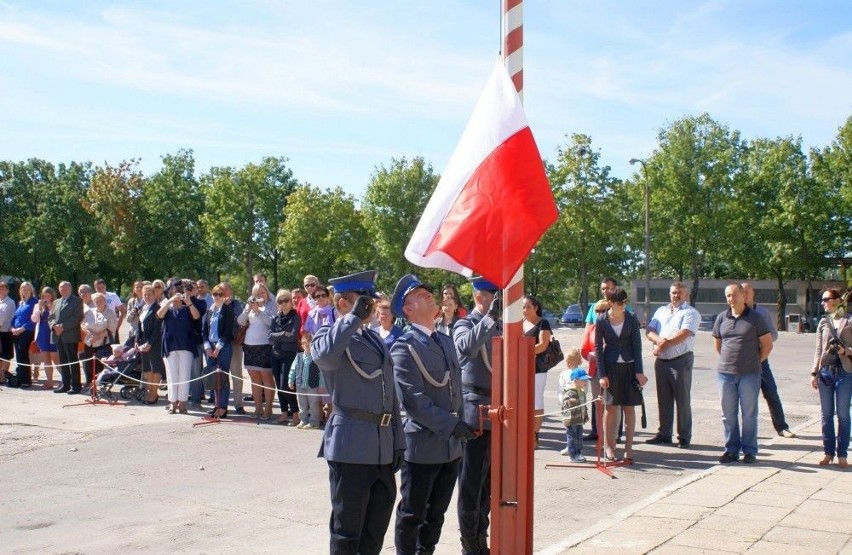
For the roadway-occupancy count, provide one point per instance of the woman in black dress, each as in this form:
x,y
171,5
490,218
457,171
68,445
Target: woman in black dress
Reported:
x,y
618,349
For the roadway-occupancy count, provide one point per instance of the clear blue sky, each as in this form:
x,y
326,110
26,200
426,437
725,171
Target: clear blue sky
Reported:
x,y
339,87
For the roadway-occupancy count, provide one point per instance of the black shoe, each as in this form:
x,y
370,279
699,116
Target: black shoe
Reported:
x,y
240,410
62,389
728,458
26,385
748,458
590,437
659,440
683,444
248,398
74,391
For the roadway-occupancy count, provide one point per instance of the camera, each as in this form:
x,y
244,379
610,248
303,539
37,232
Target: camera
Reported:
x,y
833,345
251,300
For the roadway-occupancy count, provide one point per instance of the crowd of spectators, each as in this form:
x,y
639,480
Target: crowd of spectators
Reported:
x,y
192,343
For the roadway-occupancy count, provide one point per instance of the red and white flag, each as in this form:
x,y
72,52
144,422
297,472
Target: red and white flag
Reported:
x,y
493,202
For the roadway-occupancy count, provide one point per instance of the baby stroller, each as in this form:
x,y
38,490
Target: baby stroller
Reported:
x,y
125,371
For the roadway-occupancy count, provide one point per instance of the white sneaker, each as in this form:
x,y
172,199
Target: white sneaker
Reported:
x,y
578,459
310,426
300,426
564,452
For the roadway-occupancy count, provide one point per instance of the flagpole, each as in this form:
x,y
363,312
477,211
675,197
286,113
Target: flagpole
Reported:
x,y
512,387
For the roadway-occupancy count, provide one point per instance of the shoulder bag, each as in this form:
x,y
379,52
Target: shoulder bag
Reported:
x,y
550,357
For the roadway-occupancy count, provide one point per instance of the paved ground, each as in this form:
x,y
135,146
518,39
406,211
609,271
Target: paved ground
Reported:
x,y
98,479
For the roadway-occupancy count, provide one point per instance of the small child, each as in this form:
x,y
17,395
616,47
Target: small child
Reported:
x,y
306,378
572,396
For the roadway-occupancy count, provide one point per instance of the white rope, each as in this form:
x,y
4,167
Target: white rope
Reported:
x,y
598,398
56,365
208,375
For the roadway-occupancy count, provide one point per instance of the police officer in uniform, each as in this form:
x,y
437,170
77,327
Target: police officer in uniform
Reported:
x,y
472,337
363,442
428,381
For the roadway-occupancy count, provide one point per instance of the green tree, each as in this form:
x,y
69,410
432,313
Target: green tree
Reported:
x,y
393,204
169,207
323,234
693,174
782,216
832,168
592,236
112,201
243,216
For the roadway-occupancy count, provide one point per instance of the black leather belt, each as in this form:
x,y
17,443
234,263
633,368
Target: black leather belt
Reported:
x,y
477,390
382,419
677,357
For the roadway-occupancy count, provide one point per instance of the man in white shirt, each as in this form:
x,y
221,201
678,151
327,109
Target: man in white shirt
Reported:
x,y
672,331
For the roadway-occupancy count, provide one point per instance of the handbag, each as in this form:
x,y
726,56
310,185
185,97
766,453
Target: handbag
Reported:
x,y
240,335
550,357
829,371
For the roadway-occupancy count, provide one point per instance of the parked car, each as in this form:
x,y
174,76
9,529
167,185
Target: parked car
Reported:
x,y
551,318
707,321
573,316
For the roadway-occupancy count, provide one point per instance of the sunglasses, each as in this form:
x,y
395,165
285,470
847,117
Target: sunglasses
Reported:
x,y
320,295
218,294
283,301
826,299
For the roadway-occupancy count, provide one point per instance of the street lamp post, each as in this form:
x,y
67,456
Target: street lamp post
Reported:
x,y
647,240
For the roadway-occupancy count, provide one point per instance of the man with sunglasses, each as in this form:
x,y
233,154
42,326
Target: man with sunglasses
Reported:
x,y
767,381
428,380
304,306
472,337
363,441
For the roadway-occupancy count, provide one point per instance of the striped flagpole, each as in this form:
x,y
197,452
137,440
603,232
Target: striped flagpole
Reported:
x,y
512,387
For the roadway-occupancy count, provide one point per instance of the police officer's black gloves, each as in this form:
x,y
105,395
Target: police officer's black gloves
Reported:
x,y
463,432
363,307
496,308
397,459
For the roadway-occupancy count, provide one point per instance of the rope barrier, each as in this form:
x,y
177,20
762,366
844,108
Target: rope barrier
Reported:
x,y
56,365
587,403
205,376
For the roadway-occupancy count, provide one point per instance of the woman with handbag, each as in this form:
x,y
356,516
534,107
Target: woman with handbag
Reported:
x,y
536,326
618,350
830,375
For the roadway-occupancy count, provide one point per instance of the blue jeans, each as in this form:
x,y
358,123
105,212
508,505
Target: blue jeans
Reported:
x,y
574,439
739,392
835,398
221,381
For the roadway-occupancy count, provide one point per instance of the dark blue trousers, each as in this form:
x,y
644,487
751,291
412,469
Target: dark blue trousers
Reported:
x,y
426,492
770,392
362,497
475,486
